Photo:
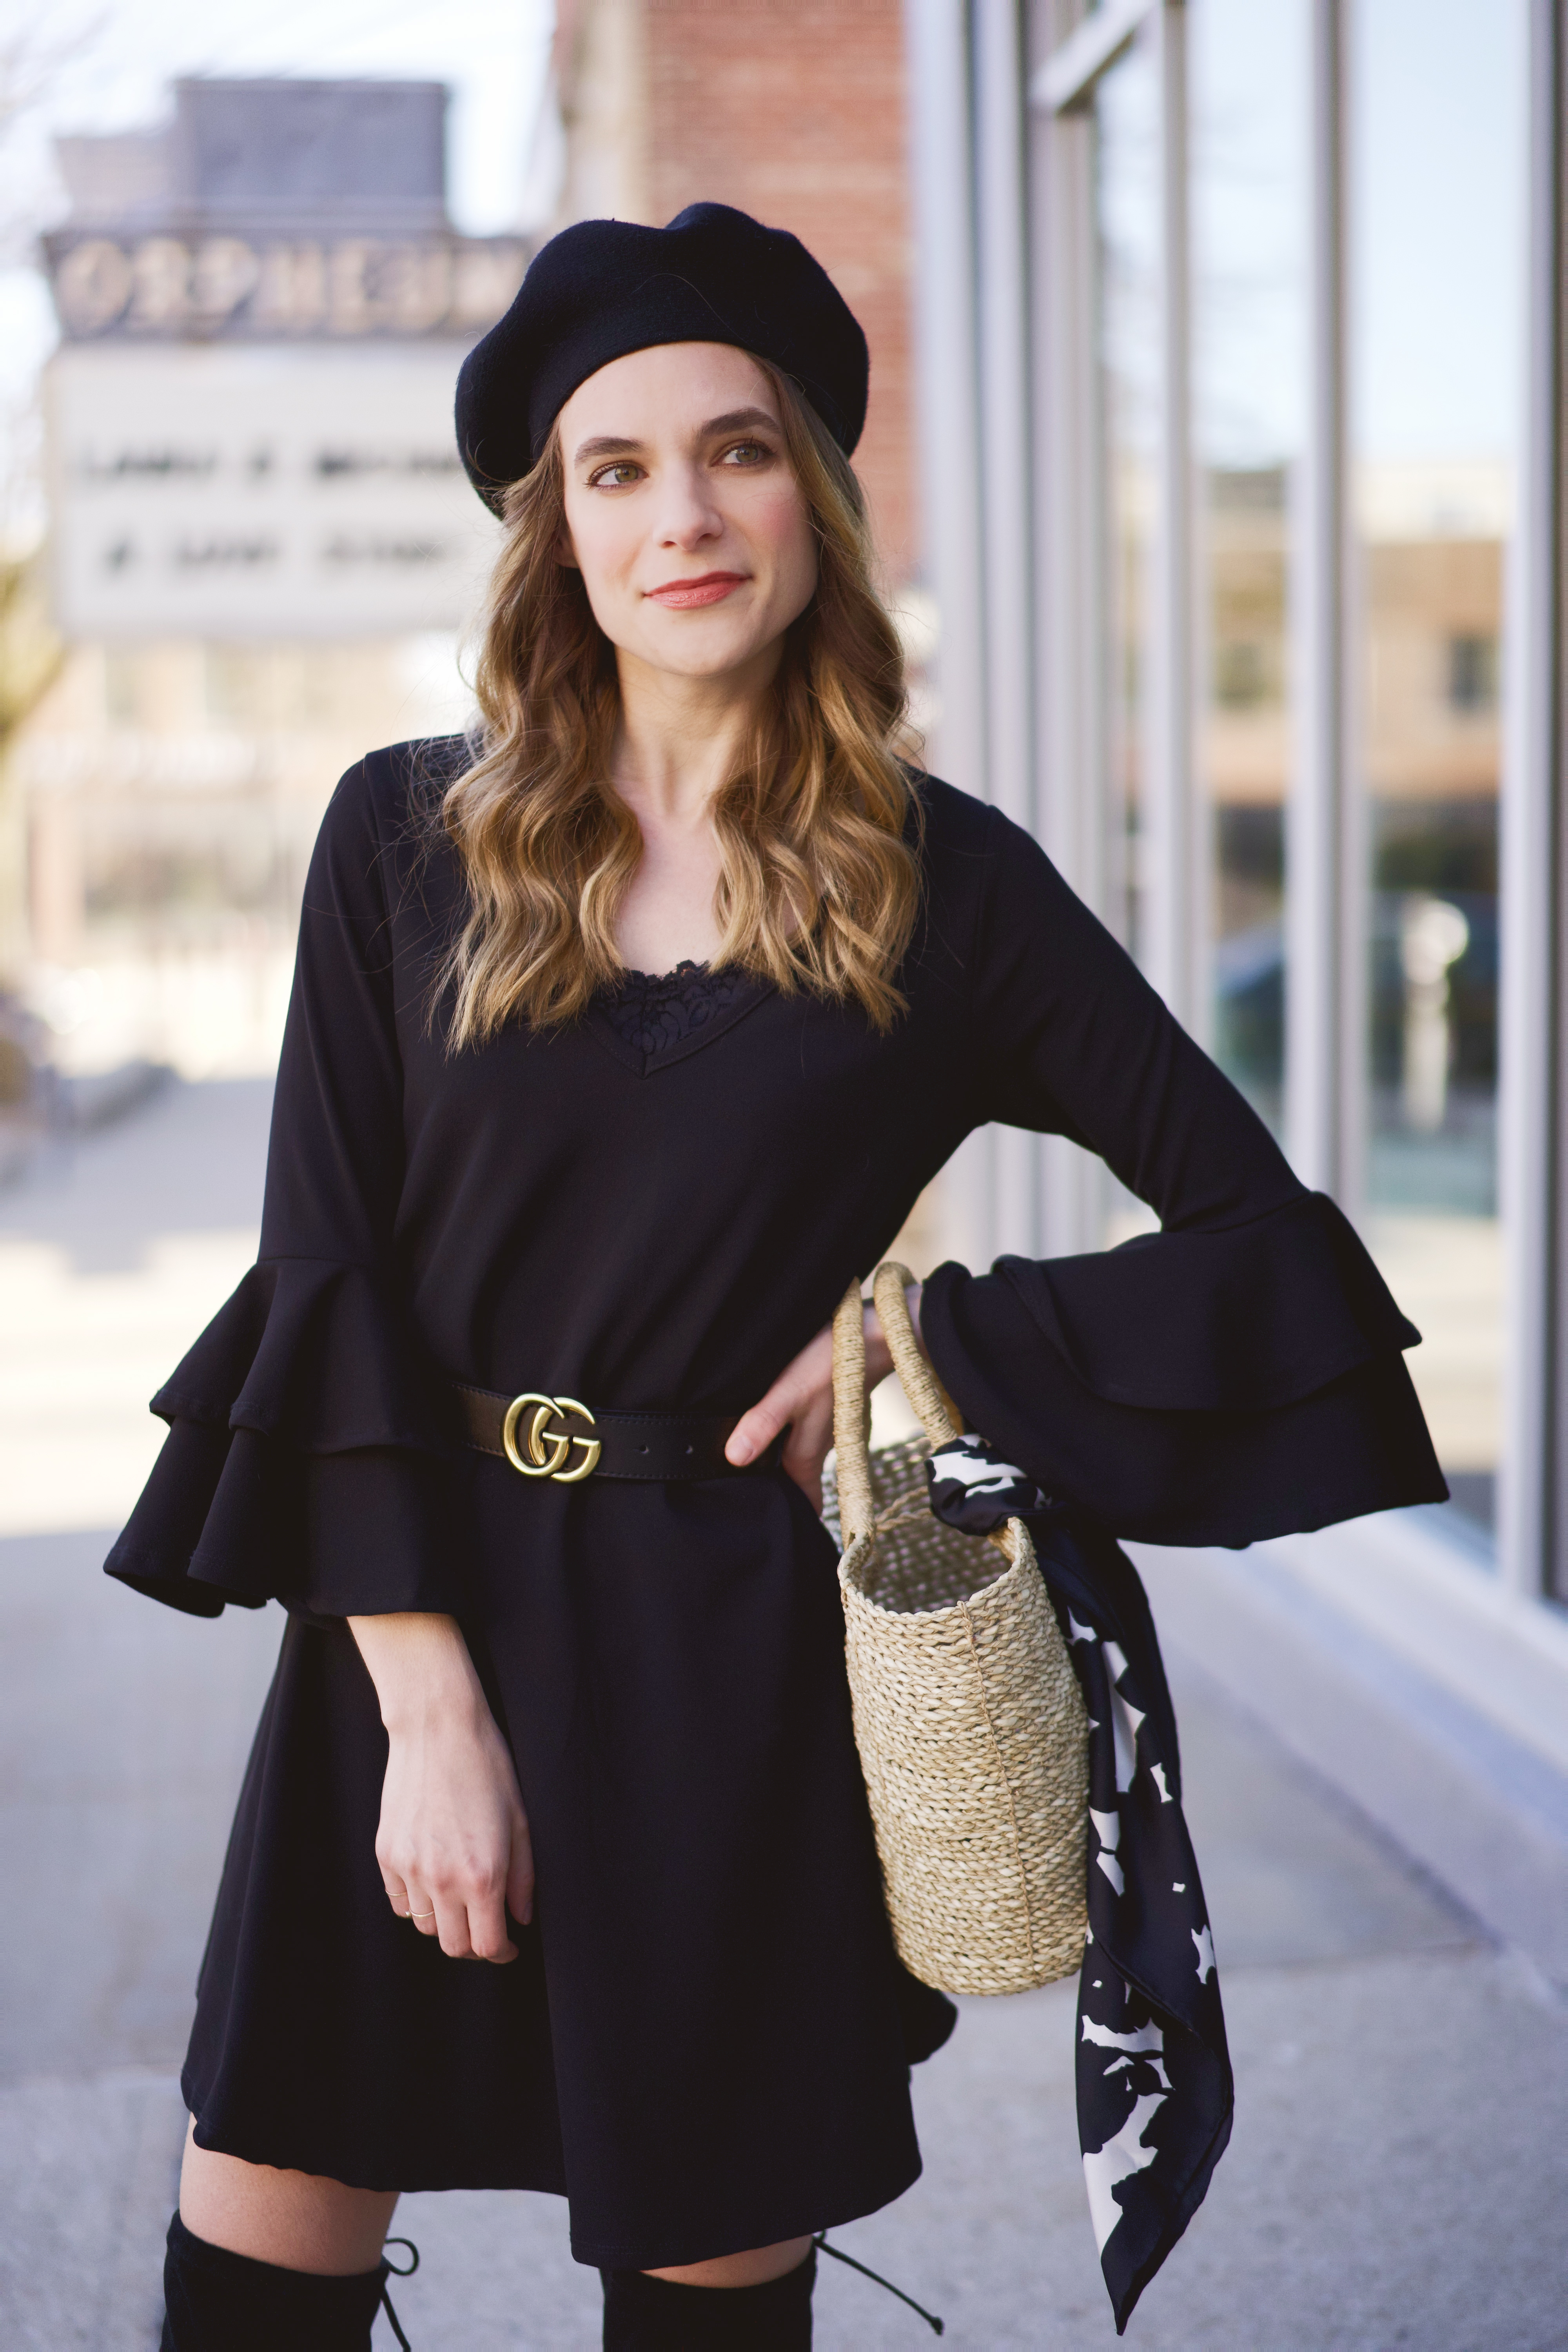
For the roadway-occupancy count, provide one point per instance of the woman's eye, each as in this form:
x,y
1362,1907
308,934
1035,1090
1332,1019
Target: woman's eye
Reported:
x,y
615,477
748,453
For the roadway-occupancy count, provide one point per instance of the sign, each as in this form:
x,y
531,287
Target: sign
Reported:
x,y
170,287
236,490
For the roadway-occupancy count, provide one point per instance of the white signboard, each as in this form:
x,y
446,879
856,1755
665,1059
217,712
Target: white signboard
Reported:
x,y
255,490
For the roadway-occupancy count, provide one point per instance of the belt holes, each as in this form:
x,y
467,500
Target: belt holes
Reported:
x,y
642,1449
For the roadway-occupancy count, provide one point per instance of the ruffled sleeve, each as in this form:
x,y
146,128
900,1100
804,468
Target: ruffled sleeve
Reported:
x,y
309,1438
1236,1375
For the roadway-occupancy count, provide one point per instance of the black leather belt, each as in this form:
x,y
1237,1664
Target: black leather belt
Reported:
x,y
555,1437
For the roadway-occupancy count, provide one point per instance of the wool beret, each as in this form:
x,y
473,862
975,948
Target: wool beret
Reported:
x,y
604,288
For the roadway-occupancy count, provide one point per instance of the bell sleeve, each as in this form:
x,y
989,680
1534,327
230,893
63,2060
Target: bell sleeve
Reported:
x,y
307,1444
1236,1375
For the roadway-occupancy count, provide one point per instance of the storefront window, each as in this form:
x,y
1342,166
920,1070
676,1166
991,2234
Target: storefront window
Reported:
x,y
1126,192
1436,224
1248,167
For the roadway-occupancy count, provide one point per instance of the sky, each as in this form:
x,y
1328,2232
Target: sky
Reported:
x,y
1435,136
107,65
1437,177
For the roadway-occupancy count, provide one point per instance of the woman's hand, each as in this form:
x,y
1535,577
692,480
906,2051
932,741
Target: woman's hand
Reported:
x,y
453,1843
802,1399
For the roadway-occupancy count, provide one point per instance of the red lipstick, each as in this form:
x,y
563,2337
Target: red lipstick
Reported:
x,y
686,595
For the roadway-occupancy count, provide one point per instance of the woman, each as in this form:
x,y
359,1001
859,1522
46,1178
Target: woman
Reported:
x,y
523,1411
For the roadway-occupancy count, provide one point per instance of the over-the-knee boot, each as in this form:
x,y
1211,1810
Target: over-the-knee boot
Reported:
x,y
654,2315
216,2300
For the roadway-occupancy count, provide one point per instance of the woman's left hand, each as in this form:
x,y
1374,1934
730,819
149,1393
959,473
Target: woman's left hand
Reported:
x,y
801,1399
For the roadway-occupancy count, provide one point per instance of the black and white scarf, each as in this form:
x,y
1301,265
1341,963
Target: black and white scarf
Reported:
x,y
1154,2089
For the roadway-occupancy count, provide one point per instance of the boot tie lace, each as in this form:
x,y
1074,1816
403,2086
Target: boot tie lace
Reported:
x,y
937,2326
385,2298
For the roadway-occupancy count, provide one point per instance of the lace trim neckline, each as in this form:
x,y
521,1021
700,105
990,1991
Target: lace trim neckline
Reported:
x,y
651,1012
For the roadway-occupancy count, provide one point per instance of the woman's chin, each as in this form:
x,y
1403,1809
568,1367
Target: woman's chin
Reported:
x,y
704,652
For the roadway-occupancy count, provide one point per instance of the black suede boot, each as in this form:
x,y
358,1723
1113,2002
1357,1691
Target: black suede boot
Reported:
x,y
652,2314
216,2300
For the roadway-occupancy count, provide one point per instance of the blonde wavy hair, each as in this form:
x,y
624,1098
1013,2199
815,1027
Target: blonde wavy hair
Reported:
x,y
818,825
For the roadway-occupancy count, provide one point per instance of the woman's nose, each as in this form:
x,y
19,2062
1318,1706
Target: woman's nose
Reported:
x,y
689,515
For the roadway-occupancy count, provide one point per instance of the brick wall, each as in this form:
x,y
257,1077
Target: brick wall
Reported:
x,y
795,110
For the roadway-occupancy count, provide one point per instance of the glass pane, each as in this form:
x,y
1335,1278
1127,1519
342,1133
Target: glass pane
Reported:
x,y
1127,202
1247,68
1438,120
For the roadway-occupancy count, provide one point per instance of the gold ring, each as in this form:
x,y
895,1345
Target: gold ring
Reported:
x,y
422,1915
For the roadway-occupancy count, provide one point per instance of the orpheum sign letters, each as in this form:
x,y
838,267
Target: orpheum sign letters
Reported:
x,y
263,308
157,287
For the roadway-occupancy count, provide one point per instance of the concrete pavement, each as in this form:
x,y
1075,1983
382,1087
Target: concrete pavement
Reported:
x,y
1399,2172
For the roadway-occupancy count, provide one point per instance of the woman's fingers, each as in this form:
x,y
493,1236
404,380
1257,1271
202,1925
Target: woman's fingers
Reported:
x,y
806,1451
801,1400
396,1893
451,1925
756,1430
462,1899
471,1927
485,1934
806,1379
418,1909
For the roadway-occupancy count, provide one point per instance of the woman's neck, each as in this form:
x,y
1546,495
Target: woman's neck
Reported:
x,y
681,738
678,742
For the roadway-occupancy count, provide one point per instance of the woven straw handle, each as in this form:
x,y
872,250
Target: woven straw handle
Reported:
x,y
851,1406
851,1418
933,1406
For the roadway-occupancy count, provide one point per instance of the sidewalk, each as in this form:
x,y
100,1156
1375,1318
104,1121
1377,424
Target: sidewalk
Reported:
x,y
1399,2172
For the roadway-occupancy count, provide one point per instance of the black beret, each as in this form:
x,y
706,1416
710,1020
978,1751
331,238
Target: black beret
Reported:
x,y
604,288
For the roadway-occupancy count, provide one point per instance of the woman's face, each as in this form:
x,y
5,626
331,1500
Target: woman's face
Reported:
x,y
683,513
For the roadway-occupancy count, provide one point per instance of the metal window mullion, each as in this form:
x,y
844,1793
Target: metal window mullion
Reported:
x,y
1003,405
1168,850
1006,455
1071,525
1555,70
1531,1075
948,410
942,189
1325,1057
1068,75
1072,516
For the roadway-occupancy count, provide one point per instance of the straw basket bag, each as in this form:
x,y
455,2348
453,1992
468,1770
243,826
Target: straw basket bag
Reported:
x,y
968,1717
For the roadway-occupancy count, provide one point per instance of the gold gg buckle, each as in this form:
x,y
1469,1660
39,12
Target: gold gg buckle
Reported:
x,y
541,1465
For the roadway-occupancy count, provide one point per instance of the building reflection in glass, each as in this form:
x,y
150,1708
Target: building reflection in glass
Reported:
x,y
1435,226
1127,203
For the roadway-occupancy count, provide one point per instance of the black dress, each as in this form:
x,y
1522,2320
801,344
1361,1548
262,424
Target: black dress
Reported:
x,y
705,2042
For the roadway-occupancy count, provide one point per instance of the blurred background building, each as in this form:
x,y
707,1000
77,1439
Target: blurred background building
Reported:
x,y
261,547
797,115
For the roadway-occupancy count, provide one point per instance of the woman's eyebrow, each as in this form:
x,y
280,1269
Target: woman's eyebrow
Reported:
x,y
734,420
737,419
604,445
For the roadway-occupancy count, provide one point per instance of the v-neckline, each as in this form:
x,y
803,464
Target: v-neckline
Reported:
x,y
750,989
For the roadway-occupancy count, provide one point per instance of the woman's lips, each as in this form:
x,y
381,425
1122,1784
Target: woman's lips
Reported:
x,y
683,595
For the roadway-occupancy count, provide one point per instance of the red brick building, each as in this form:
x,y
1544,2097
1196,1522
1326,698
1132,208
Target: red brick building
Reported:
x,y
795,110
